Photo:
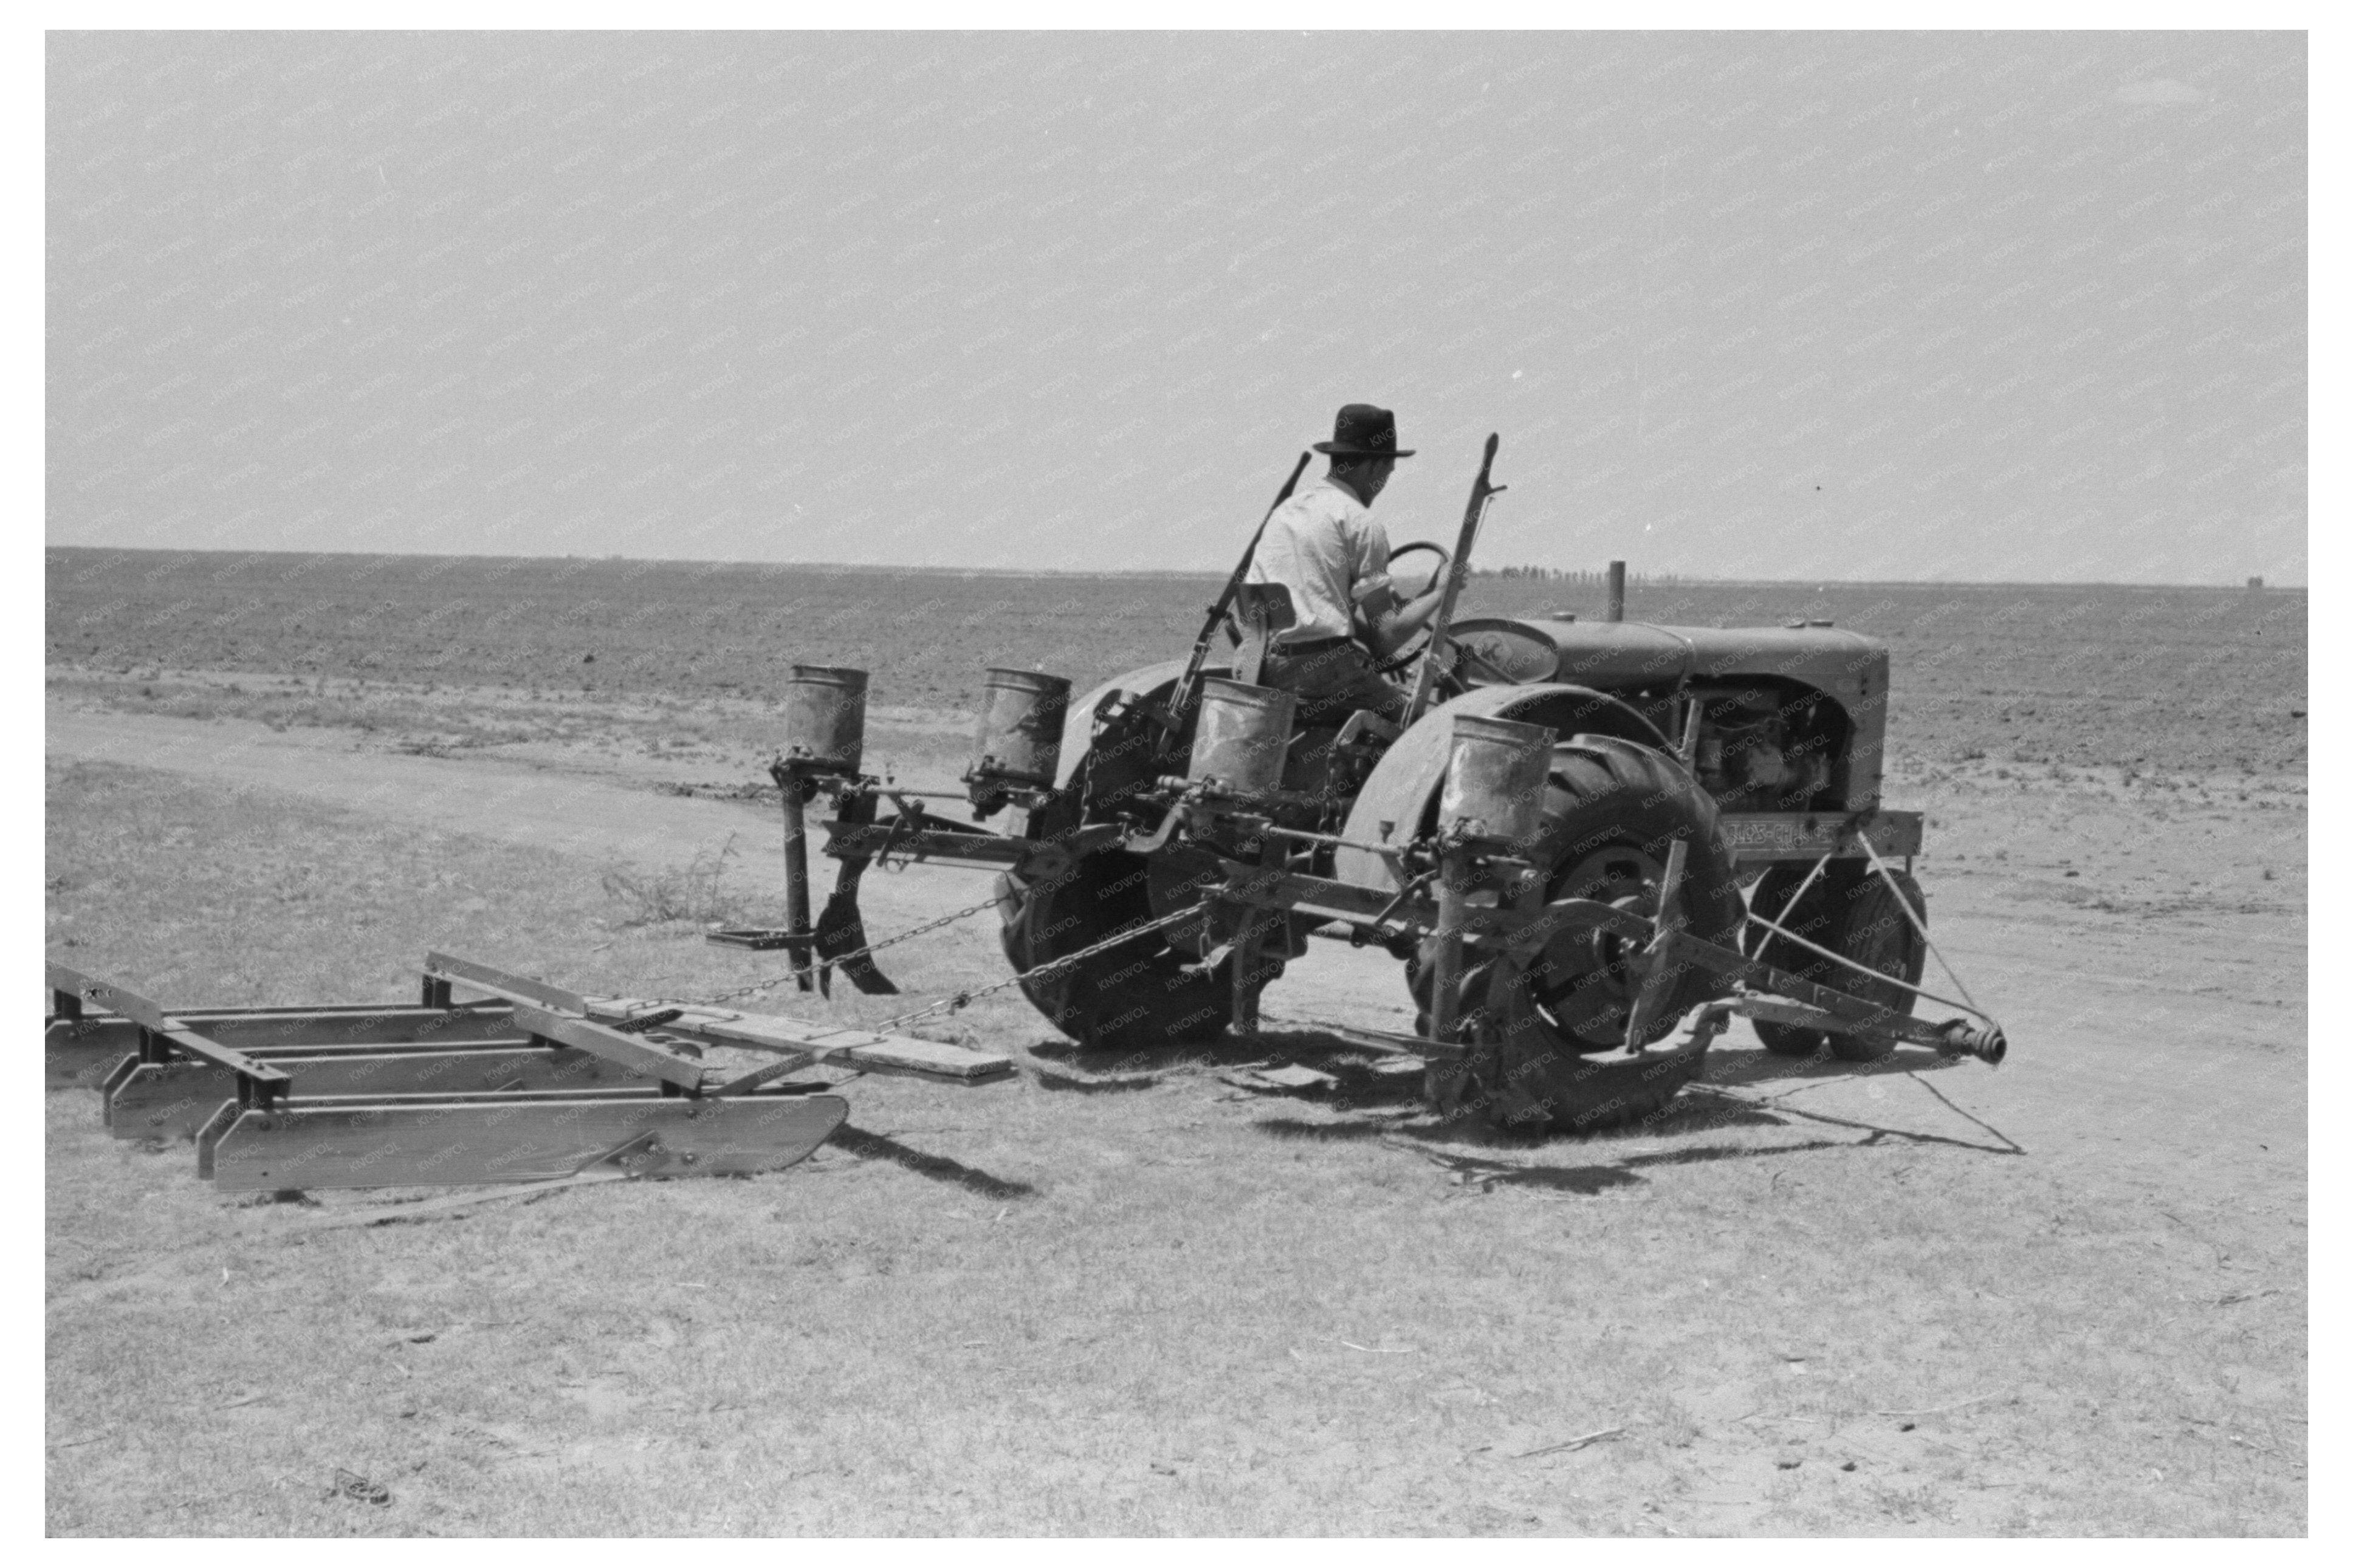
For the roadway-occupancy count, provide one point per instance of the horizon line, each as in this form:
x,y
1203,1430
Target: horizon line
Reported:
x,y
1680,579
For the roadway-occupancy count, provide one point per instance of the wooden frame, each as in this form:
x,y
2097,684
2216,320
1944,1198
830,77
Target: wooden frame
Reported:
x,y
536,1084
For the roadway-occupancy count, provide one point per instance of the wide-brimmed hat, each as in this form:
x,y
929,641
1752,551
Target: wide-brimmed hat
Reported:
x,y
1361,430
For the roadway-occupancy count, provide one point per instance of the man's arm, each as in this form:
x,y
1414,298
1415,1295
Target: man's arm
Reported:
x,y
1384,622
1387,624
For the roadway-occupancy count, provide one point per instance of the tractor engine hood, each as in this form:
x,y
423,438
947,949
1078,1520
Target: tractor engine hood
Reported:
x,y
1615,656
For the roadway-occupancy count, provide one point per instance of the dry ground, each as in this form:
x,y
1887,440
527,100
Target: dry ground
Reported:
x,y
2065,1297
471,652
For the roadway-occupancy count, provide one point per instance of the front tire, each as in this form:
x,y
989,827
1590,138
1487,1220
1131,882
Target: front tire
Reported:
x,y
1850,910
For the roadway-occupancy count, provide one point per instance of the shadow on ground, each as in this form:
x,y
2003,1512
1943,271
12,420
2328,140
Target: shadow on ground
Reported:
x,y
1365,1102
1758,1065
1354,1068
935,1167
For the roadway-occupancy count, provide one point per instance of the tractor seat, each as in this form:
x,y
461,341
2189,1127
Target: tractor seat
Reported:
x,y
1261,609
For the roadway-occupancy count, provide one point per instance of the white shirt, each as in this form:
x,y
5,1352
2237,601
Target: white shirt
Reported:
x,y
1325,547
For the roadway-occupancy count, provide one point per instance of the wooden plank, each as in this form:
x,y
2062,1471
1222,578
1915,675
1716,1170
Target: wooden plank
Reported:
x,y
113,998
165,1100
159,1024
196,1045
902,1055
633,1052
78,1052
260,1030
479,1142
455,1072
174,1100
357,1022
499,983
264,1033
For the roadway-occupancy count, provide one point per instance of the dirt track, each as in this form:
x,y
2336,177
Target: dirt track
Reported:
x,y
2164,1032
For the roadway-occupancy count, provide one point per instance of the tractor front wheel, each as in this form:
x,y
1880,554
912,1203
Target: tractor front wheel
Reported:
x,y
1852,910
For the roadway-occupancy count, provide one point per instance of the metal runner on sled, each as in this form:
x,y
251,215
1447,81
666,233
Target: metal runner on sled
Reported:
x,y
1554,844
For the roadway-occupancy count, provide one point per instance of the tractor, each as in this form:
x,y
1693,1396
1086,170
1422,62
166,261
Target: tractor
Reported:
x,y
1590,843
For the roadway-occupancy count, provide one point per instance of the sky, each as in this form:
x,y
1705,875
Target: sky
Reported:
x,y
1983,307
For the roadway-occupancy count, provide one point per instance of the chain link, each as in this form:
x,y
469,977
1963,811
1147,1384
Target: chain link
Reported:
x,y
963,998
872,947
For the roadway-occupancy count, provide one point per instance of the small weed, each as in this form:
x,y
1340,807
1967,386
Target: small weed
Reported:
x,y
1909,1504
697,893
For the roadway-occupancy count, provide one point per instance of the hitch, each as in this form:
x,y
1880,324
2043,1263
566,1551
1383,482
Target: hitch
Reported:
x,y
1760,991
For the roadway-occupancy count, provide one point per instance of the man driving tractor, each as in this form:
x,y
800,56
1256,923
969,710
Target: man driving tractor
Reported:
x,y
1325,548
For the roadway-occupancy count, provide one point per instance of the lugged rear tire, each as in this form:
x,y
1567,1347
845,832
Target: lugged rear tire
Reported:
x,y
1142,996
1546,1030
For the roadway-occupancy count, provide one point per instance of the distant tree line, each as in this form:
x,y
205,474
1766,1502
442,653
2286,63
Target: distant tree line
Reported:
x,y
1580,579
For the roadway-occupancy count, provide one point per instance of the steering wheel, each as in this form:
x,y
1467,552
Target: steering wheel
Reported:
x,y
1406,656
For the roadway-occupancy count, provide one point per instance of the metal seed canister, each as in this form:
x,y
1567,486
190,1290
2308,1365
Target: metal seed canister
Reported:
x,y
1020,736
1242,736
825,718
1495,772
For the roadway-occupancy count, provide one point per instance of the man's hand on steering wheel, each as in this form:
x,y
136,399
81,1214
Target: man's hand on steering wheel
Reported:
x,y
1414,648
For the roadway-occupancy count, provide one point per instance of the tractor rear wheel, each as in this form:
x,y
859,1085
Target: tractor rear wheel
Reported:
x,y
1850,910
1142,996
1546,1028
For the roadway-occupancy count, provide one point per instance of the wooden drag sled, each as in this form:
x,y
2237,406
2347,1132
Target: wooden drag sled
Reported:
x,y
533,1083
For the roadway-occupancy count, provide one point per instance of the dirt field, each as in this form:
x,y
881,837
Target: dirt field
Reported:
x,y
2068,1296
2161,680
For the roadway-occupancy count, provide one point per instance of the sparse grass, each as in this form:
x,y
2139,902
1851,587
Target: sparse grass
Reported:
x,y
697,893
1016,1310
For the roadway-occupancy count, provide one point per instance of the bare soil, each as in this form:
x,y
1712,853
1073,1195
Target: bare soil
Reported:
x,y
2163,681
2065,1296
